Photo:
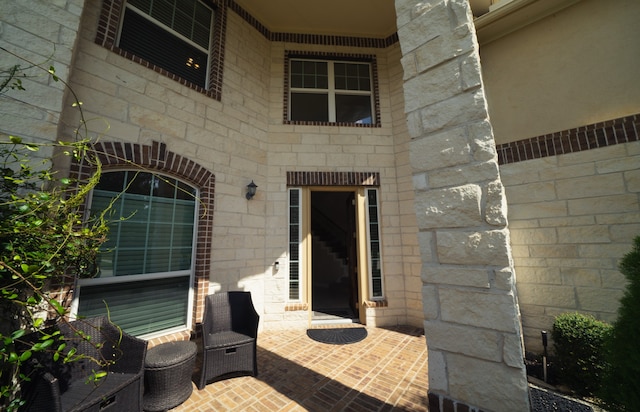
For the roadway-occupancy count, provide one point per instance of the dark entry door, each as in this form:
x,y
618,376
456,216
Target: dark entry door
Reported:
x,y
334,264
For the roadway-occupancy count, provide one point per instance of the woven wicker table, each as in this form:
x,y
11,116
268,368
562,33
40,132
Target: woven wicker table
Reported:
x,y
167,375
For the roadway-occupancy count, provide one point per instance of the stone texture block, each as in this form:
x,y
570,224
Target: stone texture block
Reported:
x,y
503,279
605,204
584,234
454,207
426,241
632,180
541,275
496,205
505,390
531,193
581,277
537,210
438,376
434,86
426,21
430,299
597,299
590,186
484,149
459,276
473,248
537,236
479,309
445,149
474,342
460,109
463,174
444,47
547,295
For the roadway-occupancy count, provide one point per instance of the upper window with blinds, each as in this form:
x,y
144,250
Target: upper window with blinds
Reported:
x,y
172,34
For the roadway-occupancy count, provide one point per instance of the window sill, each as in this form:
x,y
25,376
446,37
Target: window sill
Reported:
x,y
334,124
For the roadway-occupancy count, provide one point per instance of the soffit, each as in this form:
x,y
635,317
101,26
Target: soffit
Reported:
x,y
357,18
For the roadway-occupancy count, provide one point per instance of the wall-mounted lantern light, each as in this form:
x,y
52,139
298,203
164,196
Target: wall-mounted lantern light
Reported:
x,y
251,190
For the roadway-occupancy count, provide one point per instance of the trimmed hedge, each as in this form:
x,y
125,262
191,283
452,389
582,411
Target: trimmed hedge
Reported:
x,y
579,348
621,388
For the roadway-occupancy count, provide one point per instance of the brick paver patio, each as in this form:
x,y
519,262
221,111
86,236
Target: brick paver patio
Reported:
x,y
387,371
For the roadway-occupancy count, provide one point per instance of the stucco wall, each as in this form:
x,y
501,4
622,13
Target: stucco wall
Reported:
x,y
571,216
576,67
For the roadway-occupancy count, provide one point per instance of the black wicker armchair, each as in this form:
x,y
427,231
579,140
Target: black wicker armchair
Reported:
x,y
229,337
64,387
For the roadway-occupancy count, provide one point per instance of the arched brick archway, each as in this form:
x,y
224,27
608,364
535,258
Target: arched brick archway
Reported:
x,y
156,157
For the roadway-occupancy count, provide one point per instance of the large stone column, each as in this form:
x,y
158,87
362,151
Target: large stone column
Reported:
x,y
472,323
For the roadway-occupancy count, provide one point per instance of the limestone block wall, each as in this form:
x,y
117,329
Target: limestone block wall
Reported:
x,y
572,218
313,148
470,310
241,138
127,102
43,33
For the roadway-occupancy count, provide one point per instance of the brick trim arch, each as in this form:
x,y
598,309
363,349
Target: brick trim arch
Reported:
x,y
156,157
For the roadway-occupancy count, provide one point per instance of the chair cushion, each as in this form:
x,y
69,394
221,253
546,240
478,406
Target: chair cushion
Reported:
x,y
227,338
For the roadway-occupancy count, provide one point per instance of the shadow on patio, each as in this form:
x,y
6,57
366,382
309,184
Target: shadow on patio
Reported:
x,y
387,371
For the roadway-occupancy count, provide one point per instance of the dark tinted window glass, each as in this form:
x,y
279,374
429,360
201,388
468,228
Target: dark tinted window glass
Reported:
x,y
353,109
310,107
156,45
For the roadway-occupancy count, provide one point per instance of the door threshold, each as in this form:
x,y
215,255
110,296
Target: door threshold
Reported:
x,y
340,321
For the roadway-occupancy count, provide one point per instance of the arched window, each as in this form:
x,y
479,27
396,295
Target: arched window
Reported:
x,y
147,263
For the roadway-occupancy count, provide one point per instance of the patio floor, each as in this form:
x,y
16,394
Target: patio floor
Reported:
x,y
387,371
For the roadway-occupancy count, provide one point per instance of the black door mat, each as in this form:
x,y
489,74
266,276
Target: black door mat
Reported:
x,y
337,336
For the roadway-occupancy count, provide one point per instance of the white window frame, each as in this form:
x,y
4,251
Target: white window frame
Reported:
x,y
369,253
331,90
301,261
110,280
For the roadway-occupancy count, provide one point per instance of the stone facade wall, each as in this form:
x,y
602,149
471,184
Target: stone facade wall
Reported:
x,y
470,310
380,149
242,138
128,102
572,218
42,33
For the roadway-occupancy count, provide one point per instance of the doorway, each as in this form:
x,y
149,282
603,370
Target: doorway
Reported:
x,y
334,268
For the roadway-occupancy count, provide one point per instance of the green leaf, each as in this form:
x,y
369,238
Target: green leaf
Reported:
x,y
99,375
58,307
25,356
52,71
15,139
18,334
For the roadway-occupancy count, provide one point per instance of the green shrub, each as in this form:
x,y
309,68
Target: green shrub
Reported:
x,y
621,384
579,347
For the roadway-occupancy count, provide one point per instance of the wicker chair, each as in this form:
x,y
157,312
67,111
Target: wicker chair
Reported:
x,y
229,336
63,387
